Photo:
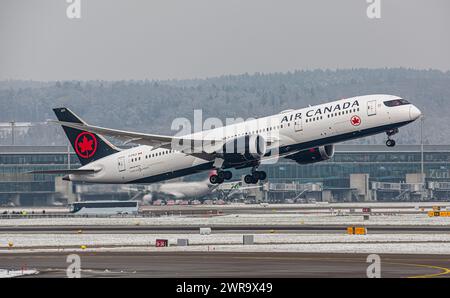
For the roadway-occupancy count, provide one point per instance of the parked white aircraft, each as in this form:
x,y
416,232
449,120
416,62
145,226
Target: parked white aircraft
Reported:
x,y
178,189
305,136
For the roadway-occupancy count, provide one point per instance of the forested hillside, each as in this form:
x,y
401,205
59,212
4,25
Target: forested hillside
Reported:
x,y
150,106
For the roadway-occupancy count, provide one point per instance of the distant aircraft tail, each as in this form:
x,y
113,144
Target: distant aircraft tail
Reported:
x,y
88,146
212,172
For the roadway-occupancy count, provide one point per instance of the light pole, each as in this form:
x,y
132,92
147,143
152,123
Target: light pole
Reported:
x,y
421,149
13,124
68,156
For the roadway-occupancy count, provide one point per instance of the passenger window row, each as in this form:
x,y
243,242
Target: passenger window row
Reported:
x,y
165,152
333,115
343,113
273,128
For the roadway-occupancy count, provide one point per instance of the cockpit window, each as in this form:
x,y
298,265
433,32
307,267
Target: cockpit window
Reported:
x,y
396,102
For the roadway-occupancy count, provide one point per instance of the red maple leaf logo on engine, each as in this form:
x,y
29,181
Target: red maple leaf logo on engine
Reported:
x,y
85,144
355,120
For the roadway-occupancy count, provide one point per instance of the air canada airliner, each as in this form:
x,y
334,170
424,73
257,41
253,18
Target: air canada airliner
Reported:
x,y
305,136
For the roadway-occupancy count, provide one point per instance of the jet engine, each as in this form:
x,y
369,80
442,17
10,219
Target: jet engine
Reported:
x,y
249,147
313,155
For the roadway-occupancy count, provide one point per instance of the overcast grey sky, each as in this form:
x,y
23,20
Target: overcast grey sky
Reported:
x,y
164,39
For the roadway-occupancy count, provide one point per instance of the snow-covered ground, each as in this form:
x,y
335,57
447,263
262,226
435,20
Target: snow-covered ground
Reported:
x,y
37,210
59,240
380,243
318,205
4,273
369,248
239,219
423,243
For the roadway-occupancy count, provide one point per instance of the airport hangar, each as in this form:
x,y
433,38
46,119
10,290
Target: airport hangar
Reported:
x,y
355,173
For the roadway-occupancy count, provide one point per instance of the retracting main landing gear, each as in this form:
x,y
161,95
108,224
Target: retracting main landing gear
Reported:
x,y
390,142
220,177
255,176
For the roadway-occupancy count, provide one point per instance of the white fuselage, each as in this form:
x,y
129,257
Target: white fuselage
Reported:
x,y
291,131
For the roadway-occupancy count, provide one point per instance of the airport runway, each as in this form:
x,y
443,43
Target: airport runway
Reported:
x,y
217,228
228,264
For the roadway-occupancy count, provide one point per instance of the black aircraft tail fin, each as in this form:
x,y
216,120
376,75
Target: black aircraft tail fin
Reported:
x,y
88,146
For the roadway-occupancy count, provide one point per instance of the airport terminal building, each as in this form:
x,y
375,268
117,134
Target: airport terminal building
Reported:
x,y
355,173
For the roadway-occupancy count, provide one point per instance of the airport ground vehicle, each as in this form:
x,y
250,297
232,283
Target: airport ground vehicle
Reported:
x,y
104,207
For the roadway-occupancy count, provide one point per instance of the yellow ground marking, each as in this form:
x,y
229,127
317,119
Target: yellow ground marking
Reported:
x,y
443,269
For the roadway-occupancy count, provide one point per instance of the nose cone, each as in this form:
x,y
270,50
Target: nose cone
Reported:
x,y
414,113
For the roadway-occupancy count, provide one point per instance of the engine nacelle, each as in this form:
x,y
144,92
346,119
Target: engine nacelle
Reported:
x,y
248,147
313,155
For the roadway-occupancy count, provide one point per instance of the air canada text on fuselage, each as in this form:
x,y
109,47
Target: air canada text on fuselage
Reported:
x,y
321,110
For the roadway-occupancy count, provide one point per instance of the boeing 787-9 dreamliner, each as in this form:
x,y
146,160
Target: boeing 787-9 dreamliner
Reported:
x,y
306,136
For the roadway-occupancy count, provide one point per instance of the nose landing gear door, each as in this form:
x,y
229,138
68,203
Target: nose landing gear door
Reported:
x,y
371,108
121,163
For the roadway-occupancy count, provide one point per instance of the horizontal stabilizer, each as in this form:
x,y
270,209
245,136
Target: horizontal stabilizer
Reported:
x,y
66,172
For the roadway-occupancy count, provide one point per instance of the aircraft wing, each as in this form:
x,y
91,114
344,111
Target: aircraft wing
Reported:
x,y
158,141
127,136
206,150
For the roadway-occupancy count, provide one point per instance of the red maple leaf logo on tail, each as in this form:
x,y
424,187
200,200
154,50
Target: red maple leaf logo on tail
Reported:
x,y
85,144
